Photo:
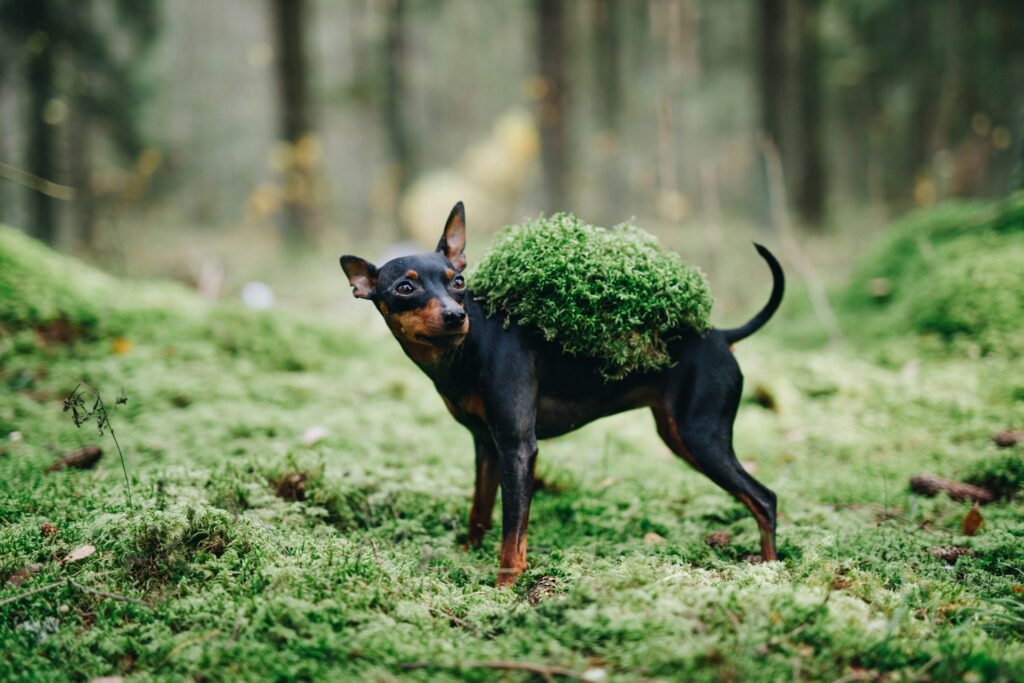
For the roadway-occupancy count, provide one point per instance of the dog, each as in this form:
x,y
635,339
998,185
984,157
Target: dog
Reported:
x,y
509,387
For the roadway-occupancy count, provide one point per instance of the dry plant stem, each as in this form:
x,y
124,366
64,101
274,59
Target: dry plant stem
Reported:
x,y
124,469
79,586
548,673
40,589
784,225
104,420
111,596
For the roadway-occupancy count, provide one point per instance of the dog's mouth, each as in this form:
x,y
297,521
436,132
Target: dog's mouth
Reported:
x,y
447,340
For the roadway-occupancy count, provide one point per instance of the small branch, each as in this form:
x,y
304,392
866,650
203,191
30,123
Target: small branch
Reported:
x,y
19,596
34,182
112,596
780,218
548,673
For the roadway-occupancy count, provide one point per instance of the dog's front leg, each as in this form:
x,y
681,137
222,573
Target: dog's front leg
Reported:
x,y
517,455
487,476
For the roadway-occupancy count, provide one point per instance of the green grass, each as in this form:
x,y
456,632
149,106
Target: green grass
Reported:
x,y
366,574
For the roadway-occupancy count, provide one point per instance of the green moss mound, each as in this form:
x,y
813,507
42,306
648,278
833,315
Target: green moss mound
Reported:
x,y
952,273
47,298
612,294
64,298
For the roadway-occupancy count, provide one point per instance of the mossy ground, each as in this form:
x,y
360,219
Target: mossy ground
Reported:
x,y
366,574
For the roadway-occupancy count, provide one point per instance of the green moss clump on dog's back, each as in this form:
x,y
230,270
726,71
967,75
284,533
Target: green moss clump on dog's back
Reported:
x,y
611,294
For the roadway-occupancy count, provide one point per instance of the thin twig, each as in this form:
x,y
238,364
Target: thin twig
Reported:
x,y
19,596
784,226
79,586
544,671
202,638
461,623
112,596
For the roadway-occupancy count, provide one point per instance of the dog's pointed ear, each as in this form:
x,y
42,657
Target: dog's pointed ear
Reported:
x,y
453,240
362,275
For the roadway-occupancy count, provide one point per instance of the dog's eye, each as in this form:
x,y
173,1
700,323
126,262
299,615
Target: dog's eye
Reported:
x,y
405,288
458,282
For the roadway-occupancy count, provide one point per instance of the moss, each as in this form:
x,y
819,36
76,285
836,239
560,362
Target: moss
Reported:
x,y
951,273
615,295
48,298
366,574
1003,475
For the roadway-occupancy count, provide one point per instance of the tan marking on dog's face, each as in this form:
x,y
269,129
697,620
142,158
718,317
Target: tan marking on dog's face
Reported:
x,y
449,273
412,274
422,331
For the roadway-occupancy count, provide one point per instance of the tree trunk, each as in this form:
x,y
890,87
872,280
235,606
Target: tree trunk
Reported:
x,y
551,55
79,139
393,102
607,75
289,27
771,67
810,190
771,72
41,135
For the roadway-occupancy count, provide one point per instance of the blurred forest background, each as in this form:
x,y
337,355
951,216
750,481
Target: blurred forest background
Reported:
x,y
142,132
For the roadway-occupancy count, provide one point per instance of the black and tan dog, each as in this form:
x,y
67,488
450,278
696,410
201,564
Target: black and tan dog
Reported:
x,y
510,387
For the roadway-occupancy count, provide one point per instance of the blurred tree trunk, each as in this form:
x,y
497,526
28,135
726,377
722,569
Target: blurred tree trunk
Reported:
x,y
42,161
552,66
79,142
393,102
80,174
607,74
769,27
771,66
809,195
289,27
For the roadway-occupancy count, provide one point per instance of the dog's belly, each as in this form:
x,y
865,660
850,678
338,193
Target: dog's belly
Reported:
x,y
556,416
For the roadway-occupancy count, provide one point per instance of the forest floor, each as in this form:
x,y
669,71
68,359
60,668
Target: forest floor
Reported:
x,y
299,495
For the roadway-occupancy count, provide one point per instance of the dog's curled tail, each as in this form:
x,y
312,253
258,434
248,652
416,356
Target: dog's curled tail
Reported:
x,y
765,314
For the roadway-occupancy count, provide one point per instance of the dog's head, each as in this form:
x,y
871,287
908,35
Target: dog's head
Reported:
x,y
421,297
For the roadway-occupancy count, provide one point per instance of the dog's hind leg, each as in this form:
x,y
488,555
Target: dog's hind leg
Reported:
x,y
697,426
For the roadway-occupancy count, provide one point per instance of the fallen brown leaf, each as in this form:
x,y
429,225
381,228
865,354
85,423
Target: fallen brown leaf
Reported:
x,y
972,520
1008,437
930,485
718,539
79,553
651,538
291,486
950,554
764,397
22,575
47,529
81,458
841,582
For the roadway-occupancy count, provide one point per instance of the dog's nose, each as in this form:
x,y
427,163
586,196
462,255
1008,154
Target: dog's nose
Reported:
x,y
454,317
